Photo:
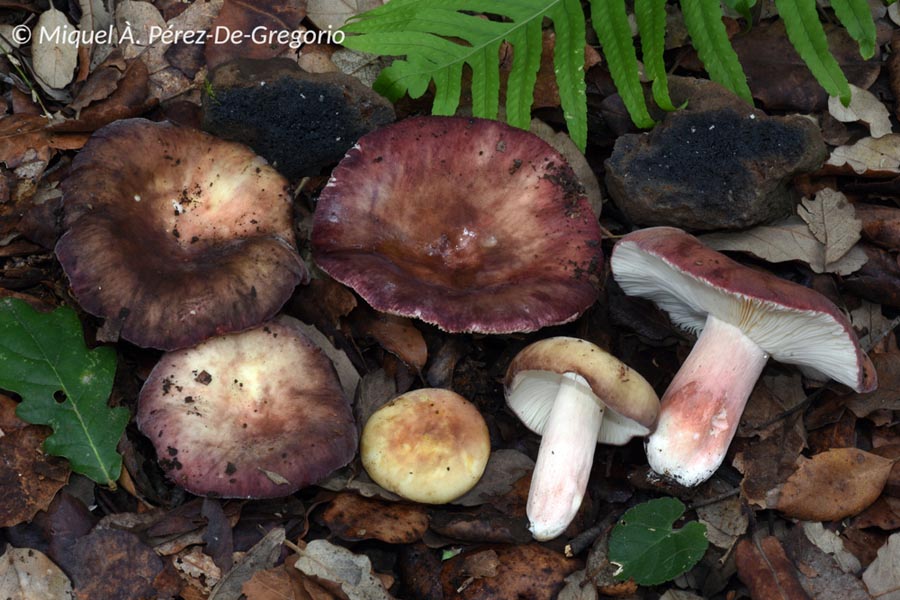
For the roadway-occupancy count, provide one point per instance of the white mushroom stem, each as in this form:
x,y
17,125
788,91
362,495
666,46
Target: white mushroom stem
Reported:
x,y
564,459
702,407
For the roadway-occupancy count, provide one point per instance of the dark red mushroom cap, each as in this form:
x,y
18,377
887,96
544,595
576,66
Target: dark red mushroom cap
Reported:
x,y
175,235
792,323
468,224
256,414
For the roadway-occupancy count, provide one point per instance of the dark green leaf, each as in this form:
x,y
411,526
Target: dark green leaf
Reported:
x,y
648,549
742,7
63,384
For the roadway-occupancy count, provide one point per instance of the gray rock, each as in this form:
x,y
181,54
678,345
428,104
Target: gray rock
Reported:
x,y
300,122
713,167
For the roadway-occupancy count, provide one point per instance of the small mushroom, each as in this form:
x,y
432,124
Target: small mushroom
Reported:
x,y
256,414
175,236
744,316
468,224
575,396
429,445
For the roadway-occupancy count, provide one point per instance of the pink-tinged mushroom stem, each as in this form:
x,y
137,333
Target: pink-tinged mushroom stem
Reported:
x,y
702,407
564,458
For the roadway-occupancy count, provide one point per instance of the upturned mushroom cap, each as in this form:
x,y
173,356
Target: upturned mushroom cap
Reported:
x,y
792,323
257,414
533,379
174,235
468,224
429,445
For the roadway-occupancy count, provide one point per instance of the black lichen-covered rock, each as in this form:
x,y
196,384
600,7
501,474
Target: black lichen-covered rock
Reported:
x,y
720,168
300,122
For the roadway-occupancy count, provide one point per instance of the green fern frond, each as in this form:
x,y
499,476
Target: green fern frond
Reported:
x,y
808,37
419,30
742,7
857,18
651,21
610,21
703,19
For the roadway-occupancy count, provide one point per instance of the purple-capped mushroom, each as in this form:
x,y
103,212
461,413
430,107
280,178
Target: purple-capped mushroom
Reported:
x,y
468,224
256,414
174,236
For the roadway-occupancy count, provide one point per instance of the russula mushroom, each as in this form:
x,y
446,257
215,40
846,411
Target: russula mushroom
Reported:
x,y
256,414
468,224
574,395
429,445
743,317
174,236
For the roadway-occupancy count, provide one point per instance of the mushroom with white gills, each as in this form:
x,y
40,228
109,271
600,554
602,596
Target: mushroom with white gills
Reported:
x,y
574,395
743,317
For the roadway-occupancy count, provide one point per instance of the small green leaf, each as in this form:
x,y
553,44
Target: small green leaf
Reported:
x,y
857,18
610,21
44,359
703,19
651,20
648,549
804,30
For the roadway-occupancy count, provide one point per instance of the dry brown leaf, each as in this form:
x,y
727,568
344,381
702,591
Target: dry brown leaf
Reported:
x,y
332,14
871,324
260,557
880,224
834,484
864,107
114,564
26,574
279,583
28,477
397,335
869,156
830,543
725,520
764,567
352,573
833,222
54,56
789,239
245,16
887,396
139,19
352,517
882,578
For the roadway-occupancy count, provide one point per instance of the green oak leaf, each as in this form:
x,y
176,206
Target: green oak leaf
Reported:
x,y
647,548
63,384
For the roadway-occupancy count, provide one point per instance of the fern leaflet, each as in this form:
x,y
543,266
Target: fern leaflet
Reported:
x,y
857,18
651,20
703,19
418,30
808,37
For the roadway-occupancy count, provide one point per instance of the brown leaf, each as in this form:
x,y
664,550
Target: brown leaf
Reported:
x,y
864,107
486,526
880,224
819,573
26,574
767,463
834,484
348,572
261,556
28,477
882,578
525,571
395,334
764,567
352,517
832,220
870,157
242,17
332,14
419,567
22,137
887,396
114,564
279,583
130,98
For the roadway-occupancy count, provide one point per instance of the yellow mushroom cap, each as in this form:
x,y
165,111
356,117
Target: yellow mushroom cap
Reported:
x,y
429,445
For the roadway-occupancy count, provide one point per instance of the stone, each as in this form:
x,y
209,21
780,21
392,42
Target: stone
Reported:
x,y
302,123
720,164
